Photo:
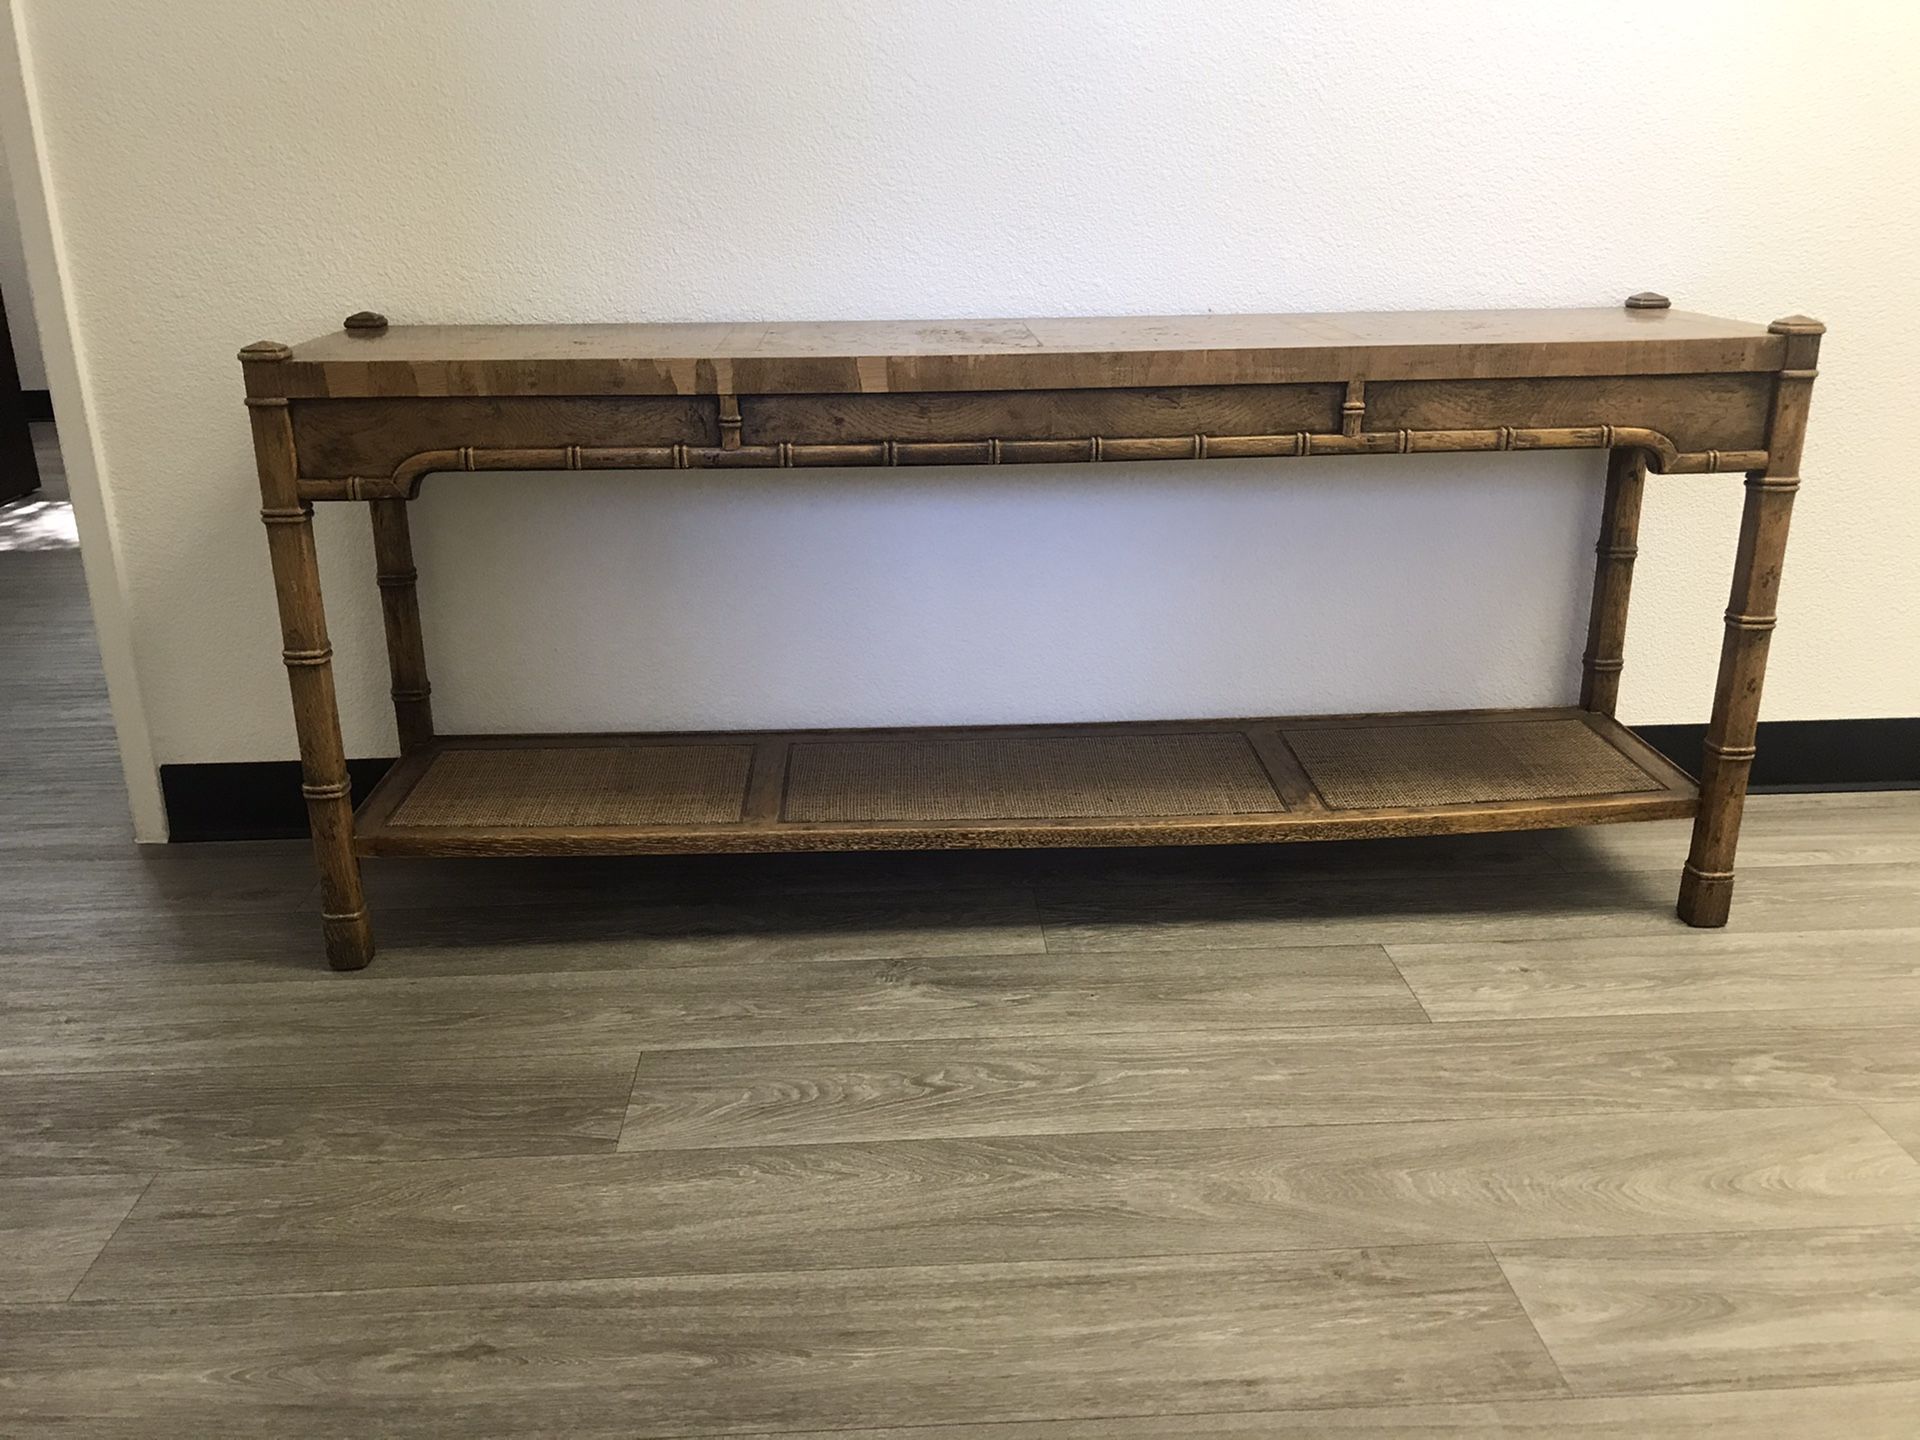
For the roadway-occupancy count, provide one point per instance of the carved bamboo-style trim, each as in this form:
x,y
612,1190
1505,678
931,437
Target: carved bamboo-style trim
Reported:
x,y
1715,877
1353,411
730,421
405,480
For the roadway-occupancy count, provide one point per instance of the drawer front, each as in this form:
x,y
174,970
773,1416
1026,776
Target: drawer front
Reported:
x,y
1695,412
1041,414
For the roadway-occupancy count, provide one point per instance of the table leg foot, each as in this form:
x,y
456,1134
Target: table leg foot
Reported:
x,y
1705,900
349,940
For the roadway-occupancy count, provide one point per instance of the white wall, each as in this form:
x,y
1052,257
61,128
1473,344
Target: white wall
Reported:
x,y
224,170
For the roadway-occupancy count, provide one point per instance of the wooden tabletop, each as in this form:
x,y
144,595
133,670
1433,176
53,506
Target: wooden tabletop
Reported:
x,y
795,357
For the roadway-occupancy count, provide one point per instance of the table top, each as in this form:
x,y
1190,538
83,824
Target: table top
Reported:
x,y
789,357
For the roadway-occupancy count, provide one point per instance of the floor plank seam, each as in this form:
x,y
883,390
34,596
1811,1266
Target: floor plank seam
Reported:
x,y
1385,1408
626,1107
291,1067
1533,1322
1406,983
1244,1128
618,1147
1892,1018
1866,1109
118,1226
717,1278
1539,1335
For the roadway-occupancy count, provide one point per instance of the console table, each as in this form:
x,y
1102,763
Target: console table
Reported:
x,y
367,413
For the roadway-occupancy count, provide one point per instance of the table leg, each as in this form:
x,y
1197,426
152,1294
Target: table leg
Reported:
x,y
1613,580
1706,884
309,659
400,604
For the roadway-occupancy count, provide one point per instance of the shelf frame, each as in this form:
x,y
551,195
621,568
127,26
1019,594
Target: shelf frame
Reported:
x,y
761,827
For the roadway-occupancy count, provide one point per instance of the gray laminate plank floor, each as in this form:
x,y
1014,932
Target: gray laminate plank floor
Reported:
x,y
1417,1138
348,1226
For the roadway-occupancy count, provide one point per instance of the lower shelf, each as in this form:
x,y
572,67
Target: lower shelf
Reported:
x,y
1176,783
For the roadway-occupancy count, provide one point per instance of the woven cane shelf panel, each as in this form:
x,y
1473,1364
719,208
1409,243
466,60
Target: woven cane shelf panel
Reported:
x,y
1065,777
566,787
1199,782
1383,766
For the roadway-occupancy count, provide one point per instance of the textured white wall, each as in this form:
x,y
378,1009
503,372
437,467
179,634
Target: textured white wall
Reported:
x,y
225,170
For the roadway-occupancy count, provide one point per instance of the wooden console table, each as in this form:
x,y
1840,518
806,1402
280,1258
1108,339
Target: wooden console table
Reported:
x,y
367,413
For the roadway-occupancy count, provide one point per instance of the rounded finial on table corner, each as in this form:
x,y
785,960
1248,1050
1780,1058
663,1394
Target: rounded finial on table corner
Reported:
x,y
265,350
366,320
1797,325
1649,300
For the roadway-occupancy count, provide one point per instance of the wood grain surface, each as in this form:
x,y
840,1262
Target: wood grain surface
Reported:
x,y
1069,352
1858,828
1666,974
286,1106
51,1230
1901,1120
1370,910
1680,1312
1027,1198
849,1348
1859,1412
184,1025
1331,1076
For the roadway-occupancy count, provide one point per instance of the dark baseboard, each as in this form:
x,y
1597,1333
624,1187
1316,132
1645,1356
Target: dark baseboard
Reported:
x,y
261,801
1812,754
39,404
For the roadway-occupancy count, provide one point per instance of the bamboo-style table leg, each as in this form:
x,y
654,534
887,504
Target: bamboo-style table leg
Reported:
x,y
309,657
400,605
1613,581
1706,885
